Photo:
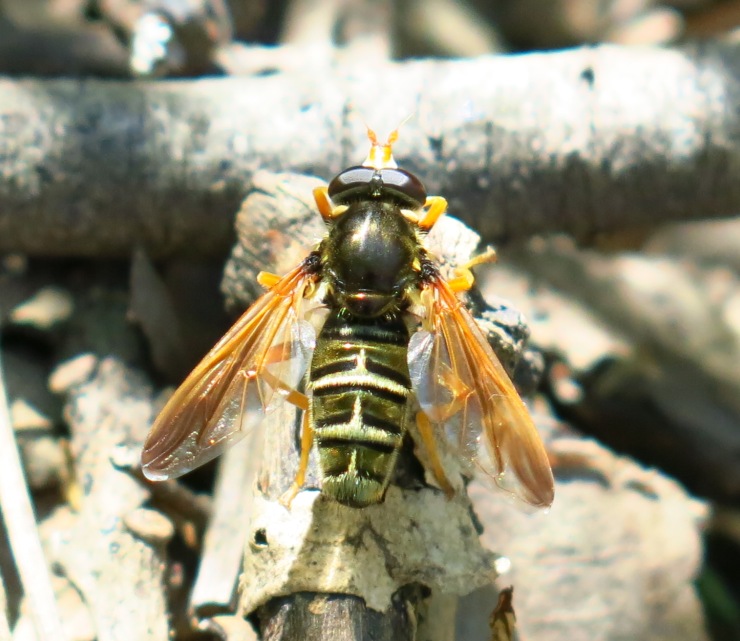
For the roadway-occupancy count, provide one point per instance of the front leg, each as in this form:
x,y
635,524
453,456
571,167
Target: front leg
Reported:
x,y
328,210
435,206
465,278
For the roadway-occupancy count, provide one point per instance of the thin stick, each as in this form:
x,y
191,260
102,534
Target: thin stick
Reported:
x,y
218,574
23,536
4,625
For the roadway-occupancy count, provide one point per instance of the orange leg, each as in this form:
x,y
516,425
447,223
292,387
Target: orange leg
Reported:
x,y
465,278
435,207
424,426
298,399
268,280
294,397
300,477
326,207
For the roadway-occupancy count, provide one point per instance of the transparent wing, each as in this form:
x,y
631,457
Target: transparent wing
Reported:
x,y
256,366
465,391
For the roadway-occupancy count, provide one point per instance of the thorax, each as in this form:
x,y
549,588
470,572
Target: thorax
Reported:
x,y
369,258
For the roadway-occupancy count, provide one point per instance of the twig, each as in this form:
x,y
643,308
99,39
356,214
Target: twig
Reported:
x,y
215,586
375,554
179,502
61,50
23,533
309,22
340,617
363,28
714,19
457,29
4,624
634,138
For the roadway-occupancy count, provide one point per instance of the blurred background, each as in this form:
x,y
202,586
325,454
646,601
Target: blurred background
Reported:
x,y
118,38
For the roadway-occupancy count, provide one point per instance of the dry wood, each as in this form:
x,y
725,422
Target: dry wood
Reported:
x,y
173,498
308,22
615,558
153,309
231,627
337,617
214,591
707,242
414,537
660,355
528,553
4,624
20,523
95,168
61,49
717,18
109,547
448,27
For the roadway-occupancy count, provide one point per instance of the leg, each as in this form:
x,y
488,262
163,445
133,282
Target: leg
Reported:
x,y
294,397
465,279
424,426
436,206
324,204
300,477
268,280
298,399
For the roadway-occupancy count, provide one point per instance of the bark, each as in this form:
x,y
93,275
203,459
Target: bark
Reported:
x,y
585,141
339,617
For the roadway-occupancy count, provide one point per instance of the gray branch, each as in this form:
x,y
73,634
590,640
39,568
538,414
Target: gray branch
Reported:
x,y
584,141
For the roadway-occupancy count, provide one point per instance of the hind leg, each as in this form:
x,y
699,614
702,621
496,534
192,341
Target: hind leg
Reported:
x,y
424,425
307,435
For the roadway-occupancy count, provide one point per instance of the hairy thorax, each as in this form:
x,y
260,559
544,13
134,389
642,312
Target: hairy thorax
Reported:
x,y
369,257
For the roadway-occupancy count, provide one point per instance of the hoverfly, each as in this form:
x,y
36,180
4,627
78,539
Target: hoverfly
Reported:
x,y
395,336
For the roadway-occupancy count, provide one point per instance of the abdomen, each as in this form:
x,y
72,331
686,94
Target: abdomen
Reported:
x,y
360,382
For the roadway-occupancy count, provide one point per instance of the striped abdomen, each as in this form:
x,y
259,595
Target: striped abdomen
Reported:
x,y
360,382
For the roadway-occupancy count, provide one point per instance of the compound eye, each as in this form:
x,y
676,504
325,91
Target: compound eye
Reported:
x,y
350,182
404,184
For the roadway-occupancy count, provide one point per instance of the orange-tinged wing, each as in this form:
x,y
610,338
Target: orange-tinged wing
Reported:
x,y
464,389
256,365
